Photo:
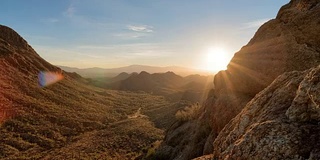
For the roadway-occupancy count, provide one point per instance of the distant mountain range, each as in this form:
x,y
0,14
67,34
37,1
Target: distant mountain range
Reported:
x,y
112,72
169,84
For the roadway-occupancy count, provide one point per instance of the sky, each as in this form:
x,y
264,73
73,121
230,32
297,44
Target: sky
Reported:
x,y
116,33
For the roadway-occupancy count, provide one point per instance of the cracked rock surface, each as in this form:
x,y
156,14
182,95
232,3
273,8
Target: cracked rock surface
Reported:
x,y
281,122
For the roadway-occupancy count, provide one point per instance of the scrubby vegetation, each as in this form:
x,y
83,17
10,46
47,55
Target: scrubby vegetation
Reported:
x,y
75,121
89,123
188,113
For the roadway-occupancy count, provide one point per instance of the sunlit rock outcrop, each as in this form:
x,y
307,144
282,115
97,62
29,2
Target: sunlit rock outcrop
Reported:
x,y
281,122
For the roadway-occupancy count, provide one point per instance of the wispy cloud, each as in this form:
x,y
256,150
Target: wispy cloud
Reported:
x,y
70,56
255,23
140,28
50,20
135,32
95,24
129,51
105,55
70,11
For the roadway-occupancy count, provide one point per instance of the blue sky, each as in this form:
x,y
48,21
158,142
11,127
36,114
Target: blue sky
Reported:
x,y
115,33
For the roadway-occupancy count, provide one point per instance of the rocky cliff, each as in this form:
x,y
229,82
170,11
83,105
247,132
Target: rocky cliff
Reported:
x,y
281,122
290,42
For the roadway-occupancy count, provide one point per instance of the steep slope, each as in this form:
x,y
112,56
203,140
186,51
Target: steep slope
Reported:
x,y
289,42
281,122
61,119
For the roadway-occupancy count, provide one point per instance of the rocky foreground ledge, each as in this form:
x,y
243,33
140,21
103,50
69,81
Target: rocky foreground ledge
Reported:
x,y
281,122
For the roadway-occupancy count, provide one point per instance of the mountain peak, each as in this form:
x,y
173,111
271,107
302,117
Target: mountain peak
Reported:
x,y
295,7
144,73
123,74
19,55
12,37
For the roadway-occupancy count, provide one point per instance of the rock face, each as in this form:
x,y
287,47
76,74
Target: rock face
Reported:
x,y
281,122
290,42
305,106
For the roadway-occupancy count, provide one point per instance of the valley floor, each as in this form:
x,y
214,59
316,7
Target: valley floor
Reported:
x,y
86,123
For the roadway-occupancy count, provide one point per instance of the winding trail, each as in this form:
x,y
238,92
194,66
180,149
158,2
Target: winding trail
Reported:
x,y
137,114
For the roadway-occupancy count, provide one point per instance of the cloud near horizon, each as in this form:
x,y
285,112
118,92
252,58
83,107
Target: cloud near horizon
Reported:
x,y
105,56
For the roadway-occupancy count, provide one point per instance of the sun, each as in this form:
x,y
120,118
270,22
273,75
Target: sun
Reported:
x,y
217,59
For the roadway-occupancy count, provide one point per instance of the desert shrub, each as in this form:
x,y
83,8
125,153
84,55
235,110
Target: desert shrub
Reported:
x,y
6,150
41,141
188,113
18,126
19,144
158,156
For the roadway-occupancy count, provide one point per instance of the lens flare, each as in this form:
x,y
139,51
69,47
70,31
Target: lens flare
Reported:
x,y
48,78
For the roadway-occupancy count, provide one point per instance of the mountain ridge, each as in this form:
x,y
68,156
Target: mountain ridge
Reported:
x,y
111,72
169,85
